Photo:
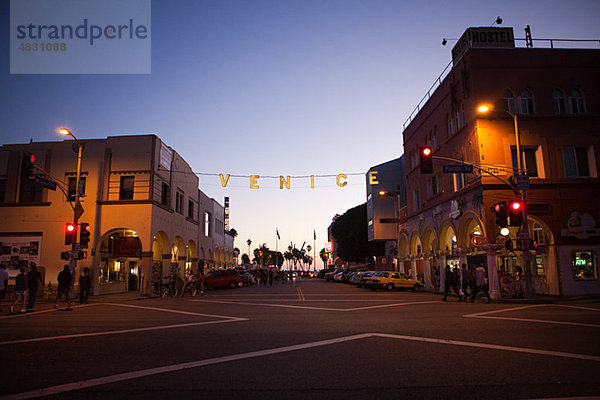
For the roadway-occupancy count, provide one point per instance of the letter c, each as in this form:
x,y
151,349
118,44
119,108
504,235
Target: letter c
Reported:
x,y
339,183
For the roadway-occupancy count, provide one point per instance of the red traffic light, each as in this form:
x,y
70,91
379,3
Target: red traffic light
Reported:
x,y
515,205
70,228
32,158
426,151
498,208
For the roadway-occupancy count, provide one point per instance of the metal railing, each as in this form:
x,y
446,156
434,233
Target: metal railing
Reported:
x,y
549,42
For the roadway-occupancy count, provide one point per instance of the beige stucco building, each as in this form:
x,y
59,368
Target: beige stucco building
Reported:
x,y
140,197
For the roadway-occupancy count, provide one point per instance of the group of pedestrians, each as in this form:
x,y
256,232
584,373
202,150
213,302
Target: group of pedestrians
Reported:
x,y
27,284
473,280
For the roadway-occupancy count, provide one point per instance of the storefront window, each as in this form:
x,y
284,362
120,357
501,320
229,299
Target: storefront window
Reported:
x,y
539,265
584,265
111,272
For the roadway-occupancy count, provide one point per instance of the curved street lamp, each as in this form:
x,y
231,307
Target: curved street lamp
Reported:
x,y
529,290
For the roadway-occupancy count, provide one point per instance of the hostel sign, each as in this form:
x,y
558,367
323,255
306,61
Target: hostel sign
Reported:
x,y
482,37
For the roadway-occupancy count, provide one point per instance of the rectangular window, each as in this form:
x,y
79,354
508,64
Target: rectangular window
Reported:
x,y
73,187
191,209
416,200
529,158
164,194
576,161
179,202
30,192
584,265
459,181
207,224
2,189
434,186
126,188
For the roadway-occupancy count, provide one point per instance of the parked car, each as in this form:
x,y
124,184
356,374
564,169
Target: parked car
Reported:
x,y
356,277
329,275
391,280
363,276
223,278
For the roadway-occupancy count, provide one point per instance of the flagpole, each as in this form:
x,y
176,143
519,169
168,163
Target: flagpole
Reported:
x,y
314,250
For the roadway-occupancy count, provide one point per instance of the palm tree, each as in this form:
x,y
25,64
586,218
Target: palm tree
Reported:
x,y
308,249
249,243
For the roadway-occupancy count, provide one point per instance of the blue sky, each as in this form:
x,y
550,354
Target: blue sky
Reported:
x,y
275,88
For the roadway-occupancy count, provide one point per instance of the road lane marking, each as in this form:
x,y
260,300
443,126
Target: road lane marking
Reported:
x,y
118,332
319,308
300,294
54,390
224,319
486,315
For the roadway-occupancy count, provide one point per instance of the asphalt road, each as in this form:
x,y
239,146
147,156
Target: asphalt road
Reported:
x,y
307,340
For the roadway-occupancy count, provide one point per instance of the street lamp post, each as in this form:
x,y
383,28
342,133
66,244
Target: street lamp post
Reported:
x,y
397,194
524,234
77,209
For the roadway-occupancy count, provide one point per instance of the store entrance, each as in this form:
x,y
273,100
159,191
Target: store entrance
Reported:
x,y
134,276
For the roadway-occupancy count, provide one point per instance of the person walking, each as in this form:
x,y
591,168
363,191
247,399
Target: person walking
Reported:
x,y
34,278
20,289
85,285
64,284
464,280
481,283
3,283
451,280
518,281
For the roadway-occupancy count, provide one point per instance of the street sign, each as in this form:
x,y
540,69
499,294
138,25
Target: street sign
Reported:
x,y
44,183
78,210
458,169
523,182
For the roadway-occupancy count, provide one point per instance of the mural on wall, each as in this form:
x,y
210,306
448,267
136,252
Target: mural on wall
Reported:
x,y
19,251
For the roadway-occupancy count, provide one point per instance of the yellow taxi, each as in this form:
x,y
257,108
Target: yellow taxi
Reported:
x,y
391,280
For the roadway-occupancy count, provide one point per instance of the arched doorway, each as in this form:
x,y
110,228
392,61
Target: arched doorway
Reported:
x,y
120,255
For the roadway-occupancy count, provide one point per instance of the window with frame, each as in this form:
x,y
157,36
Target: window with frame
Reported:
x,y
179,201
2,190
459,181
508,98
126,188
30,192
416,200
560,102
526,103
434,185
529,158
73,187
164,194
191,209
577,102
584,265
576,161
207,224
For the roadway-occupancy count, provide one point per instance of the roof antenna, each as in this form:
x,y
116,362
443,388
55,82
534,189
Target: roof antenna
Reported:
x,y
498,21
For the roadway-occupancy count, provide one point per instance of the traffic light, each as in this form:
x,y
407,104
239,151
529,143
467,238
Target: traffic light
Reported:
x,y
425,160
515,212
65,255
501,214
84,234
70,233
508,245
28,164
82,255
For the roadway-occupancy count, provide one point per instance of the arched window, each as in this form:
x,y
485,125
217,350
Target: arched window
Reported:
x,y
577,102
560,104
509,101
526,102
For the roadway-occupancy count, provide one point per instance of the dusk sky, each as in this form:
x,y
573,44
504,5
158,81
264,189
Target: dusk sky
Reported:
x,y
276,88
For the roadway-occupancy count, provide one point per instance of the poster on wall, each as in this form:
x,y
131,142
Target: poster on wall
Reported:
x,y
19,251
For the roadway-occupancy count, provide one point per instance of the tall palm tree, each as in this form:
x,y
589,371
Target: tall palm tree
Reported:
x,y
249,243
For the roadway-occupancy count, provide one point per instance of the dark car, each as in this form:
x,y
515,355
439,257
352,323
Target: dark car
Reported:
x,y
329,275
247,279
223,278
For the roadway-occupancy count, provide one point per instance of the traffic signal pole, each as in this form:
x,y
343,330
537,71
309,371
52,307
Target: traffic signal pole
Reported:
x,y
76,215
529,291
